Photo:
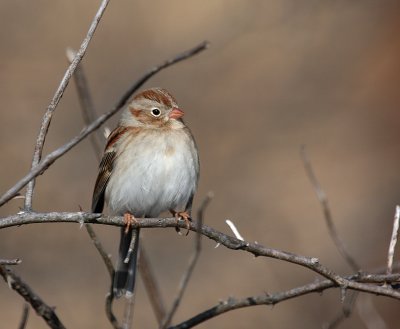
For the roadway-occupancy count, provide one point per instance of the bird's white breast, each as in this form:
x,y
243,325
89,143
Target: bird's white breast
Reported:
x,y
153,172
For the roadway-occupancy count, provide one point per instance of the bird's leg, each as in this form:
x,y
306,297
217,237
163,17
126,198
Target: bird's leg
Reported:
x,y
129,219
184,215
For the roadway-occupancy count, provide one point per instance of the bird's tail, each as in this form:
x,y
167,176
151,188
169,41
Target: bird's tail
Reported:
x,y
125,273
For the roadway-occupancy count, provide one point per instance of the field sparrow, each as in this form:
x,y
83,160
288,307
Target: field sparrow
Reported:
x,y
150,165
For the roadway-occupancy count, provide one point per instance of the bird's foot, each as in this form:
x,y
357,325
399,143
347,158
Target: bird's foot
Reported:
x,y
184,215
129,219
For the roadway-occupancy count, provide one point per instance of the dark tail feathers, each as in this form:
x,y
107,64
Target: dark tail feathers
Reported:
x,y
125,273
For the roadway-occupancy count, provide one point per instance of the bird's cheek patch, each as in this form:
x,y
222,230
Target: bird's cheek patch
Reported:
x,y
135,112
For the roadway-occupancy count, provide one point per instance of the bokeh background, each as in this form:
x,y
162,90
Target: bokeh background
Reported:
x,y
279,74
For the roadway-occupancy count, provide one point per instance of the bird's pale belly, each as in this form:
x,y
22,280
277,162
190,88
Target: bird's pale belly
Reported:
x,y
151,183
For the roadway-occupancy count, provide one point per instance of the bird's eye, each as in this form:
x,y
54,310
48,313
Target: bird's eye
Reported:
x,y
155,112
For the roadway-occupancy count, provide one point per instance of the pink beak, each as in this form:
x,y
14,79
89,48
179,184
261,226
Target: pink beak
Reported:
x,y
176,113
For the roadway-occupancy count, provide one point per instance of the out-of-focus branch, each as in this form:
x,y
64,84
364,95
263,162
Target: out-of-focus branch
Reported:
x,y
151,285
37,155
53,156
24,318
346,311
369,314
192,262
230,242
86,101
106,258
10,261
42,309
393,240
349,301
323,199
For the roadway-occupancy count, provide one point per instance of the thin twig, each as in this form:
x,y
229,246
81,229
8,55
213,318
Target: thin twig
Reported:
x,y
151,285
24,318
42,309
230,242
327,212
333,233
86,102
37,155
106,258
53,156
393,240
235,231
192,262
346,311
10,261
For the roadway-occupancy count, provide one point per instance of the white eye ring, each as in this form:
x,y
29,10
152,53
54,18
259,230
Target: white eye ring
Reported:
x,y
155,112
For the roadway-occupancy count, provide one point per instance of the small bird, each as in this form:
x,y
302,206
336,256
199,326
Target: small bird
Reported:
x,y
150,165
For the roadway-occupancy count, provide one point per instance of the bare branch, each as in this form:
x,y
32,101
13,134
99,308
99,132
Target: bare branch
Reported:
x,y
230,242
37,155
86,101
106,258
42,309
53,156
151,285
24,318
346,311
326,210
10,261
231,304
393,240
192,262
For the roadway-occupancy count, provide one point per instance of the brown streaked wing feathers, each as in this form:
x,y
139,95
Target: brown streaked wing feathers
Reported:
x,y
105,169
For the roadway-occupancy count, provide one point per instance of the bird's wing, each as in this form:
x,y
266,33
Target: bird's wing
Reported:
x,y
105,169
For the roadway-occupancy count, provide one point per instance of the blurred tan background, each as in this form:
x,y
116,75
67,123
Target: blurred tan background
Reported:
x,y
279,74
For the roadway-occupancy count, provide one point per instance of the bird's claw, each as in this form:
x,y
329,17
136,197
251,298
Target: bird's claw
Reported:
x,y
129,219
183,215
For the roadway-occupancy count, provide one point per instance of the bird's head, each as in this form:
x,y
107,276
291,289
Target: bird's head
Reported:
x,y
154,107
